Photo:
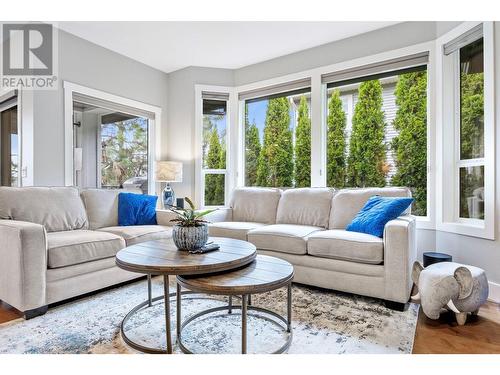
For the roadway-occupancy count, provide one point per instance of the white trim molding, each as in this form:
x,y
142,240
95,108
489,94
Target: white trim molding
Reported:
x,y
232,131
154,128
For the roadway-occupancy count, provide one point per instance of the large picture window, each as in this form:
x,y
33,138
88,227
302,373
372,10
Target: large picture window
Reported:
x,y
277,132
214,151
377,132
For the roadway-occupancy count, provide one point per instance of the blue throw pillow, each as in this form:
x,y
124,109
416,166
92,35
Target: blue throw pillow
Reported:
x,y
377,212
136,209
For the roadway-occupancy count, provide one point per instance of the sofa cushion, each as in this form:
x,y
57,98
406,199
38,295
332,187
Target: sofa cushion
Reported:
x,y
232,229
136,209
101,206
306,206
287,238
56,208
346,203
377,212
255,205
140,233
344,245
80,246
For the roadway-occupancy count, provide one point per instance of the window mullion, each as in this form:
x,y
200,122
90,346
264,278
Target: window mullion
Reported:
x,y
214,171
470,162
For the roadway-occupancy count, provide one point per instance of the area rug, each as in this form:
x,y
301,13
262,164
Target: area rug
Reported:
x,y
323,322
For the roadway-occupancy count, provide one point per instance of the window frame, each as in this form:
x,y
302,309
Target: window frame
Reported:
x,y
427,220
241,121
200,171
318,110
459,162
450,162
154,130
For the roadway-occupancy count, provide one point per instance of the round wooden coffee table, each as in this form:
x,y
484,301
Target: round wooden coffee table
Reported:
x,y
161,257
264,274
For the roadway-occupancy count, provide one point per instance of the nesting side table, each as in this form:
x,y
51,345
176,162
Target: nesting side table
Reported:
x,y
264,274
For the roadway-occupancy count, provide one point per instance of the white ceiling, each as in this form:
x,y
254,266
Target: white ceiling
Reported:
x,y
169,46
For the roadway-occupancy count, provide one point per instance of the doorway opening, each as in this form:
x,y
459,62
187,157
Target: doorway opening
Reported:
x,y
110,148
111,142
9,145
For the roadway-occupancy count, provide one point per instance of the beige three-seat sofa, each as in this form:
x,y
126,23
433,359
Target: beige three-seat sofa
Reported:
x,y
58,243
307,228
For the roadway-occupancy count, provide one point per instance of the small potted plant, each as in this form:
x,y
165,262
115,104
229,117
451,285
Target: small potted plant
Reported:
x,y
190,231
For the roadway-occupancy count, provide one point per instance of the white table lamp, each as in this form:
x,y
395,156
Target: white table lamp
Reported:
x,y
168,171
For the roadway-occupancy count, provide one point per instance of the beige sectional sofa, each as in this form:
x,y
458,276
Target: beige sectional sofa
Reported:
x,y
58,243
307,228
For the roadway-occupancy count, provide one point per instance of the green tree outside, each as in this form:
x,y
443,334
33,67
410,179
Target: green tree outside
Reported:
x,y
252,151
336,142
471,115
220,187
124,151
366,161
303,146
275,167
410,145
214,183
253,148
471,138
208,127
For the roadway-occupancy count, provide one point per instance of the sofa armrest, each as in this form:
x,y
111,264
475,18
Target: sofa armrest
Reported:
x,y
400,251
23,266
222,214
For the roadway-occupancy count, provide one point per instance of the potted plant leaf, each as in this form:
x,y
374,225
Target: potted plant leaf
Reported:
x,y
190,231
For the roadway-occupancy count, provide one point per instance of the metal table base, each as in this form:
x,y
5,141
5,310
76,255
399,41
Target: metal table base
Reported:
x,y
244,307
149,303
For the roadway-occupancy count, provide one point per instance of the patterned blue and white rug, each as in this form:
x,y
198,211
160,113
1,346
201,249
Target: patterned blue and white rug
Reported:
x,y
323,322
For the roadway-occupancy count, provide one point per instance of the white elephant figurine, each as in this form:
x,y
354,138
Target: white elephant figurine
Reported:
x,y
460,288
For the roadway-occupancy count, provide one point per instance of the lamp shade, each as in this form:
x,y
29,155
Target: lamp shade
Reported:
x,y
169,171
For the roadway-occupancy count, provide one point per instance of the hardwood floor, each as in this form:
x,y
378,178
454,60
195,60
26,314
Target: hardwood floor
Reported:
x,y
8,313
481,334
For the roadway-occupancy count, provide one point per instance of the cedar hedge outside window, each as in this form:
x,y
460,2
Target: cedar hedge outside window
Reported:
x,y
377,132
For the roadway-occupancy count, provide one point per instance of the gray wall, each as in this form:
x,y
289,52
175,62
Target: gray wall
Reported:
x,y
181,118
89,65
378,41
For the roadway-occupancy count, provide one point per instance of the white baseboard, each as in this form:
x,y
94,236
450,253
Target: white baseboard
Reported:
x,y
494,295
